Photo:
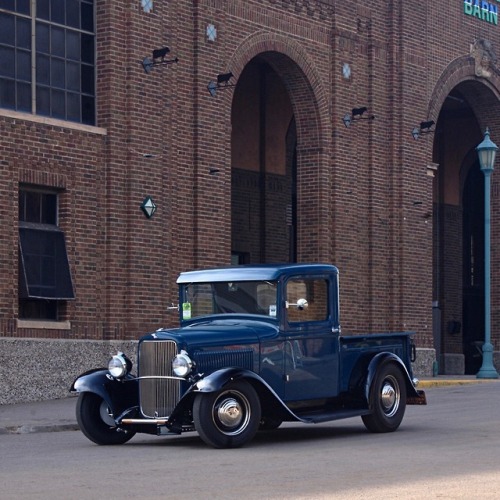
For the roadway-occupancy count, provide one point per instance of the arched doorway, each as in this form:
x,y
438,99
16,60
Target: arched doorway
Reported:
x,y
458,285
264,167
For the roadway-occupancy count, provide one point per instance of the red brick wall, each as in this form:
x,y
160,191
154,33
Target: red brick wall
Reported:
x,y
363,191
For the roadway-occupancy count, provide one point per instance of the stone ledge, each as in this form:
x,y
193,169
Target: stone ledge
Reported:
x,y
423,365
452,364
41,369
53,122
43,325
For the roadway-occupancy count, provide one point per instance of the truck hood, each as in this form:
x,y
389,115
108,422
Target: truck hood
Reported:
x,y
218,332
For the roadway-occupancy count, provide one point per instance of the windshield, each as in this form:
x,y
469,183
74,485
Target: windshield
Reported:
x,y
244,297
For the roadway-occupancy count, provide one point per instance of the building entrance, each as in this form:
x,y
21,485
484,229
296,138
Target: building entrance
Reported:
x,y
264,168
459,234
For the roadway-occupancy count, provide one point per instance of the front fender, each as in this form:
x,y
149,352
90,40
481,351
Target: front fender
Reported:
x,y
381,359
119,394
217,380
221,378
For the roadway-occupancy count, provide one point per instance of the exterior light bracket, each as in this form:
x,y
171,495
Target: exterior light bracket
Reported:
x,y
221,84
424,128
158,59
355,115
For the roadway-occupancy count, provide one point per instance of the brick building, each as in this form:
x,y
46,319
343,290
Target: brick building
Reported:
x,y
263,170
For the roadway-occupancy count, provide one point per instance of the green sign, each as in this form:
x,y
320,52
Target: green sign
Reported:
x,y
485,11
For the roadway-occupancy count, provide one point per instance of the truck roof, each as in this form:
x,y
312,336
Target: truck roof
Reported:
x,y
258,272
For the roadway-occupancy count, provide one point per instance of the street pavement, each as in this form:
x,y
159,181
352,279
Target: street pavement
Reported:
x,y
59,414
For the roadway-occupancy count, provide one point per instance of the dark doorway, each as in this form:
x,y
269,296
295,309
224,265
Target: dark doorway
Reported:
x,y
263,159
473,268
458,234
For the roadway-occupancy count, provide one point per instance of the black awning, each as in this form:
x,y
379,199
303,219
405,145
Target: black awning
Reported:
x,y
43,265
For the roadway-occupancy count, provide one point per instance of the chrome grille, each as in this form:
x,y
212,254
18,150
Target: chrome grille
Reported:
x,y
158,396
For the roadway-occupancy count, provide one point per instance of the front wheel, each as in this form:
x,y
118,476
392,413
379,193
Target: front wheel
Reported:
x,y
269,423
227,418
96,420
387,400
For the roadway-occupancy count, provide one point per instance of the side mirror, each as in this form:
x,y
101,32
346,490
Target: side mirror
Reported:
x,y
300,305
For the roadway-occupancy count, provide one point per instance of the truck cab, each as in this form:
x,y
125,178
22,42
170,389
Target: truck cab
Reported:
x,y
295,316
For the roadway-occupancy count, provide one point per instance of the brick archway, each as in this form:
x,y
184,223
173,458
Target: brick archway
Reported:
x,y
459,71
310,107
463,105
303,82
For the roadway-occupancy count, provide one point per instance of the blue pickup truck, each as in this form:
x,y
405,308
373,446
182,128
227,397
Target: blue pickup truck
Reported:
x,y
256,346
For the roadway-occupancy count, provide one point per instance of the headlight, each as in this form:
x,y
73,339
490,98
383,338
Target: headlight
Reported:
x,y
182,365
119,365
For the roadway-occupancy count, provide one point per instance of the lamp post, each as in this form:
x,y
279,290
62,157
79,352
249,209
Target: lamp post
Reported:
x,y
486,152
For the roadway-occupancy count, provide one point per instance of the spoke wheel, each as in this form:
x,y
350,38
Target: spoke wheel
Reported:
x,y
96,420
228,418
387,400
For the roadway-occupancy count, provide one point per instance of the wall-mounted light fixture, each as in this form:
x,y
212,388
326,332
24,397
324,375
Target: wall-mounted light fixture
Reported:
x,y
432,169
157,59
424,128
148,206
221,84
355,115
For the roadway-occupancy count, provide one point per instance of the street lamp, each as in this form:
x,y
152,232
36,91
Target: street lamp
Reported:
x,y
486,152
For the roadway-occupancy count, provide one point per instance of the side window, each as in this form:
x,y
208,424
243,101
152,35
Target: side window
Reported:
x,y
44,275
315,292
198,300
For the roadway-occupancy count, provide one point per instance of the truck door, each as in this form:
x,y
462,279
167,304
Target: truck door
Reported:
x,y
311,364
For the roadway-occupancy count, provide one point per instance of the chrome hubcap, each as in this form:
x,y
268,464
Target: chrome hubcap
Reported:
x,y
390,396
232,413
229,413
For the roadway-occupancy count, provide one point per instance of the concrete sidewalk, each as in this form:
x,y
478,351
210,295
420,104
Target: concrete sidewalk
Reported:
x,y
40,416
60,414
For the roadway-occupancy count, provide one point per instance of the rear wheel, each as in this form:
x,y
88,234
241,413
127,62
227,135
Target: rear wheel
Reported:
x,y
96,420
228,418
387,400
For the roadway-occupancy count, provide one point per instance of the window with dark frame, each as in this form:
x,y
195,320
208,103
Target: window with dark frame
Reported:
x,y
53,72
315,291
44,275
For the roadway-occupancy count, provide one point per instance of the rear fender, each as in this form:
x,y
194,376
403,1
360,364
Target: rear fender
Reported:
x,y
381,359
119,394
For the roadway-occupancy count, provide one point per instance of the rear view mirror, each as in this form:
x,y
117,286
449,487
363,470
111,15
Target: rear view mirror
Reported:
x,y
300,305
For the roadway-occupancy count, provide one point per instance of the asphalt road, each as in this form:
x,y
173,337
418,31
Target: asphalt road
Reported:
x,y
449,449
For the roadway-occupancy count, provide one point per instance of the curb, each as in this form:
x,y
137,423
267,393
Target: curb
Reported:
x,y
425,384
31,429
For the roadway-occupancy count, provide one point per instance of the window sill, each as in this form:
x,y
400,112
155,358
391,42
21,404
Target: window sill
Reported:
x,y
45,120
43,325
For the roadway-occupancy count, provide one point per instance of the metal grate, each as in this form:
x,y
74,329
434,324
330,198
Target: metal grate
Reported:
x,y
208,361
158,396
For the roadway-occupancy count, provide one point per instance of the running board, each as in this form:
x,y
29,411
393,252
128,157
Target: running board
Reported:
x,y
317,417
